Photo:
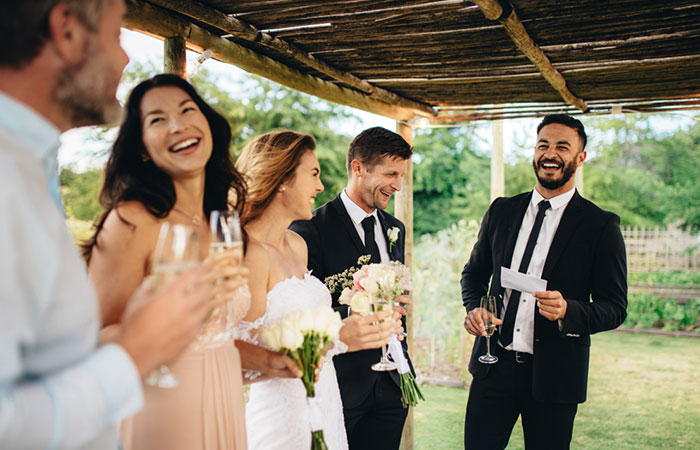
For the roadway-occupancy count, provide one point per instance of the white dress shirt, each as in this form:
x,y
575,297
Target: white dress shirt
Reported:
x,y
523,332
58,389
357,215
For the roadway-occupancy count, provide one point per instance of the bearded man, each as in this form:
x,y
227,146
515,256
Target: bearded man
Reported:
x,y
543,339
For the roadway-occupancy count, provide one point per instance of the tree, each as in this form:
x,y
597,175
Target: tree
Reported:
x,y
265,106
451,179
80,191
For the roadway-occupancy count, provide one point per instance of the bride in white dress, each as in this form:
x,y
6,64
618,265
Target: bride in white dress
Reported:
x,y
283,177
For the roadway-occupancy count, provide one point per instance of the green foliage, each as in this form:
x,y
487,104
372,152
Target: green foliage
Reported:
x,y
451,180
646,179
262,106
650,311
672,277
437,267
80,191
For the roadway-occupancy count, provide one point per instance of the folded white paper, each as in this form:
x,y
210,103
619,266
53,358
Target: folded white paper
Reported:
x,y
512,279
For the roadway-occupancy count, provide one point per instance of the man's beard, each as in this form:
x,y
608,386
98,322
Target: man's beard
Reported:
x,y
84,91
553,184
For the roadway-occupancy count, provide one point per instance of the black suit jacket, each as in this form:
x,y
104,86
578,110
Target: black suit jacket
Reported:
x,y
334,246
586,263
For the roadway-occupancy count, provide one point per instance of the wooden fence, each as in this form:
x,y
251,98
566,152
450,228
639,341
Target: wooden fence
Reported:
x,y
657,249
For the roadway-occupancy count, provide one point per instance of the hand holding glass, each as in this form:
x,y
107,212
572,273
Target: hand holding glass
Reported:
x,y
225,236
176,252
488,316
384,364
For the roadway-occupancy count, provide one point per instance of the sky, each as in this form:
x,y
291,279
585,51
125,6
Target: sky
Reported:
x,y
79,148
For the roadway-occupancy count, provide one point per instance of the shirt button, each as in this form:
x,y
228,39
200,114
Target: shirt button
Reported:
x,y
524,301
518,330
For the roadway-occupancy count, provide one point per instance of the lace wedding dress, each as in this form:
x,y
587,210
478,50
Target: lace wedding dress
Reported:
x,y
277,414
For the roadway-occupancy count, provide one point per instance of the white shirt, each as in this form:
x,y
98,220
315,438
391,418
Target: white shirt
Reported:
x,y
357,215
523,332
57,388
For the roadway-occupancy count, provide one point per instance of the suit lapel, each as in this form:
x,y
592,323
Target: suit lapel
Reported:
x,y
345,219
392,250
514,221
569,222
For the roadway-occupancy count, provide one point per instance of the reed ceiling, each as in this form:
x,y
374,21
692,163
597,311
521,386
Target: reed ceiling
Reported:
x,y
446,58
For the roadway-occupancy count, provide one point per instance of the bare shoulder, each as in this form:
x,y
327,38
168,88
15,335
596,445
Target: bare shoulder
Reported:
x,y
298,244
256,257
130,223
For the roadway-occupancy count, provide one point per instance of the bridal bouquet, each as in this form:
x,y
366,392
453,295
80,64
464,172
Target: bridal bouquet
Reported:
x,y
382,283
303,335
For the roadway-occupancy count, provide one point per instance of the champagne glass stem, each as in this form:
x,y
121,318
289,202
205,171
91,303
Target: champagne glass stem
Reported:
x,y
488,345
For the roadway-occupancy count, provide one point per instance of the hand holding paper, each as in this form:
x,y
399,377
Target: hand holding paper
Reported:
x,y
512,279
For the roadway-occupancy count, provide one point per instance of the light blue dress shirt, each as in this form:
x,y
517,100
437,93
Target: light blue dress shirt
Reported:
x,y
58,389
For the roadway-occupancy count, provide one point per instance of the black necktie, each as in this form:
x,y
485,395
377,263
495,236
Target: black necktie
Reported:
x,y
370,242
509,319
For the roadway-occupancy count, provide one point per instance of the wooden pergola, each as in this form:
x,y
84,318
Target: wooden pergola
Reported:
x,y
448,61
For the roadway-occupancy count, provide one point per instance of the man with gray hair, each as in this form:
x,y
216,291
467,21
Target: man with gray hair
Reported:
x,y
58,387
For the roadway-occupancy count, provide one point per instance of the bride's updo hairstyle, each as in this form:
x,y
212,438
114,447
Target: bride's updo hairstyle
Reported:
x,y
266,163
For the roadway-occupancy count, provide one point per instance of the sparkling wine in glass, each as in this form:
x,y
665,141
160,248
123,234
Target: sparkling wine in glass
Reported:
x,y
384,364
225,235
488,315
176,252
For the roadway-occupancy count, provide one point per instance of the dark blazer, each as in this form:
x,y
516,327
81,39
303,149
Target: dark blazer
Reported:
x,y
334,246
586,263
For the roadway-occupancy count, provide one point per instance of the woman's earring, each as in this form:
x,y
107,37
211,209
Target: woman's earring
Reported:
x,y
145,157
283,188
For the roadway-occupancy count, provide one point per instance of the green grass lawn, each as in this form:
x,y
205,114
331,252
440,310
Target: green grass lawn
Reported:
x,y
643,393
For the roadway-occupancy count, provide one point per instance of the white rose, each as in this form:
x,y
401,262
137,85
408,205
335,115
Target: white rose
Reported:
x,y
290,336
360,303
322,315
334,325
271,336
305,320
393,233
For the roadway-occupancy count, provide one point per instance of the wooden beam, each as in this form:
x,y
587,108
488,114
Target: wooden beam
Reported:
x,y
247,32
142,16
403,207
175,57
493,10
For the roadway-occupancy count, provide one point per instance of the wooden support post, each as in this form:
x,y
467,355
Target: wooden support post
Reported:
x,y
497,168
175,59
403,206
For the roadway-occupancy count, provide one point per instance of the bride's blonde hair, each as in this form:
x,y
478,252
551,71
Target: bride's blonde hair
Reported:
x,y
267,162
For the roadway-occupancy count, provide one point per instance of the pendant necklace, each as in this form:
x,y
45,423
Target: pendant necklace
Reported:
x,y
196,218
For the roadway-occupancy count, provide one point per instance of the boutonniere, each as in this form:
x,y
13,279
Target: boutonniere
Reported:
x,y
393,235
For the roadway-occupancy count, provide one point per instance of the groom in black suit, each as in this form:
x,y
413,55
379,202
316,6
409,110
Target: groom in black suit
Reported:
x,y
543,340
353,224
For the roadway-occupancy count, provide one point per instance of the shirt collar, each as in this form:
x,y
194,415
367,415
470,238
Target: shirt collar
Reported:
x,y
356,213
557,202
31,129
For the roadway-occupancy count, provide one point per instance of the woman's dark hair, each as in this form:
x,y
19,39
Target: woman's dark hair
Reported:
x,y
130,176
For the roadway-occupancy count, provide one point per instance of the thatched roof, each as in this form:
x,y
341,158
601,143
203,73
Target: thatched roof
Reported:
x,y
421,58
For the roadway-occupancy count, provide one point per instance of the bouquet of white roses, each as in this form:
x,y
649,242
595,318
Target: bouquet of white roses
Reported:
x,y
382,283
303,335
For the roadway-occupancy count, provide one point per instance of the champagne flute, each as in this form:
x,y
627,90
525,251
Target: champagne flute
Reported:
x,y
225,235
488,315
384,364
176,252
